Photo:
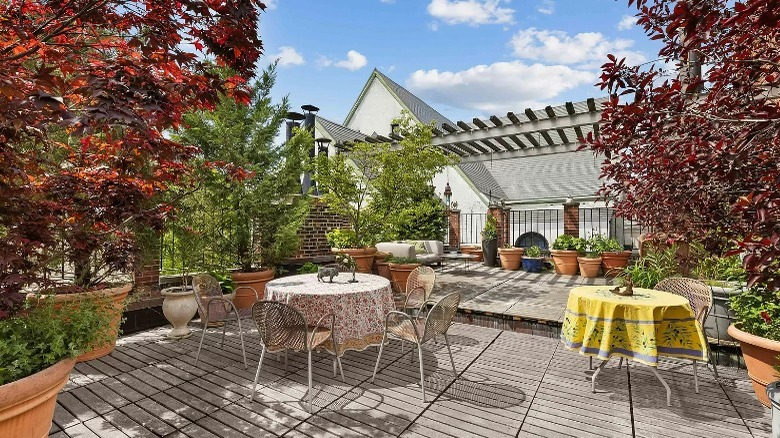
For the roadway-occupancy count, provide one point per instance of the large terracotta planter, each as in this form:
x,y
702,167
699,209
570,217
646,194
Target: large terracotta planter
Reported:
x,y
381,265
760,354
511,258
364,257
245,297
179,307
399,275
614,262
589,267
565,262
27,405
477,251
116,298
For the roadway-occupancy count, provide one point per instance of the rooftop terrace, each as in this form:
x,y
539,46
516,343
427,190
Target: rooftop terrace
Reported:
x,y
508,384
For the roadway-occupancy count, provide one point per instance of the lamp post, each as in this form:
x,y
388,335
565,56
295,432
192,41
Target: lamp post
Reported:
x,y
447,195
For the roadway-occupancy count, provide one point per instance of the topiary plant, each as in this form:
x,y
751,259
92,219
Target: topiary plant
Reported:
x,y
533,252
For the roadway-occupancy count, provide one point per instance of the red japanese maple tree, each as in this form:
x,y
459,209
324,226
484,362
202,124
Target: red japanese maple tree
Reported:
x,y
698,154
87,90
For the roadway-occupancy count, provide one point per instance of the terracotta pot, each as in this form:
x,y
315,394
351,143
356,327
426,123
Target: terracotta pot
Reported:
x,y
379,257
179,307
511,258
589,267
27,405
117,296
565,262
364,257
473,250
760,354
399,275
245,297
614,262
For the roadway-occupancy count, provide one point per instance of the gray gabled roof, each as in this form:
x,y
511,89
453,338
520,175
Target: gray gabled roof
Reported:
x,y
340,134
423,112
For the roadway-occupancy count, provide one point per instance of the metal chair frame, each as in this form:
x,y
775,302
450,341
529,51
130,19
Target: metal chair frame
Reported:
x,y
699,296
205,310
437,322
420,281
294,335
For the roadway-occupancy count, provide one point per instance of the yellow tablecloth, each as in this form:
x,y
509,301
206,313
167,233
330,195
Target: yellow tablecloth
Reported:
x,y
641,327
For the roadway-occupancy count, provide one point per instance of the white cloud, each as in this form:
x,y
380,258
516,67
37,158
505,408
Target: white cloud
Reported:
x,y
354,61
288,56
627,22
586,50
499,87
471,12
547,7
324,61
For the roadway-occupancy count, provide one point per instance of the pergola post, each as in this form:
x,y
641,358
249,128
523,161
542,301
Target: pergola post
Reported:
x,y
498,212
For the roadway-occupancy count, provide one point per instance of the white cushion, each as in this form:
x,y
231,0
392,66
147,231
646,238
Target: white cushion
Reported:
x,y
396,249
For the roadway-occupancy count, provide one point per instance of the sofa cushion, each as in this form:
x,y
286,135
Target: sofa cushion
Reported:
x,y
428,259
419,246
396,249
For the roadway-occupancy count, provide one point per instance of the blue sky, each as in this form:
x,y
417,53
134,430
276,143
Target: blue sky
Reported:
x,y
466,58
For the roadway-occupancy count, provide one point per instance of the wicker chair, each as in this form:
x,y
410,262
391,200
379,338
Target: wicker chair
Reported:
x,y
418,330
699,295
214,308
418,288
281,327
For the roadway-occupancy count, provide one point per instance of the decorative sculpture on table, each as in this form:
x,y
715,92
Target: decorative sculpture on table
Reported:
x,y
628,288
327,271
349,263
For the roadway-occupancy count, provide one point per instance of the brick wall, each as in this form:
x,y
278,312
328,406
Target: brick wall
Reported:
x,y
319,221
454,224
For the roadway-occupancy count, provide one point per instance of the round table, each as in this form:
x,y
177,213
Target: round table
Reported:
x,y
640,327
359,308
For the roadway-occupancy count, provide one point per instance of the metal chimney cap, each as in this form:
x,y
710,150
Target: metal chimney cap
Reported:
x,y
323,140
292,115
311,108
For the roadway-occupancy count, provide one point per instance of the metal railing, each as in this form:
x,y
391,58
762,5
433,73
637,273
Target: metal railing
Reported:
x,y
471,225
604,221
535,227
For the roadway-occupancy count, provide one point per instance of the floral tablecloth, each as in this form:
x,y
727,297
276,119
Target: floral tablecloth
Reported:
x,y
640,327
360,308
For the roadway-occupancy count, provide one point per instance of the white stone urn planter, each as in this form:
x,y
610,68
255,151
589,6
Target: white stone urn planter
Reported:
x,y
179,307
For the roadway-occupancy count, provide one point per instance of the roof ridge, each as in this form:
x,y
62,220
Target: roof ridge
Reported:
x,y
420,109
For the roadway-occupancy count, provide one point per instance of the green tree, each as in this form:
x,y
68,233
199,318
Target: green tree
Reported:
x,y
249,186
376,186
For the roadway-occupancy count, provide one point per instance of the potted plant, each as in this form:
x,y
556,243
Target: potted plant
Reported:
x,y
652,268
532,259
490,241
249,186
400,268
757,329
345,241
590,262
381,265
511,257
613,257
38,353
565,251
474,250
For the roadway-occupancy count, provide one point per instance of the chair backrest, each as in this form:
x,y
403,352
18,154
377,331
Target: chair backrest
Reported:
x,y
280,326
207,287
698,294
440,316
422,279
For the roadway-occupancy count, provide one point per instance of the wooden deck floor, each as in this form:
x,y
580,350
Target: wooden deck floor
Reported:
x,y
508,384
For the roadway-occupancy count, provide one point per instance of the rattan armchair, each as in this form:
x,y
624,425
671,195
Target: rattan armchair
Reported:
x,y
418,287
215,309
419,330
282,327
699,295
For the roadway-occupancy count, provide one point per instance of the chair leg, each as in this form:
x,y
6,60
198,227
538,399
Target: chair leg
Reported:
x,y
695,378
379,356
257,374
310,386
454,371
402,347
341,369
620,363
422,371
224,328
241,337
202,335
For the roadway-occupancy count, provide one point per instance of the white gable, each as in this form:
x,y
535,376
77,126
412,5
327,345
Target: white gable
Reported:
x,y
375,111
